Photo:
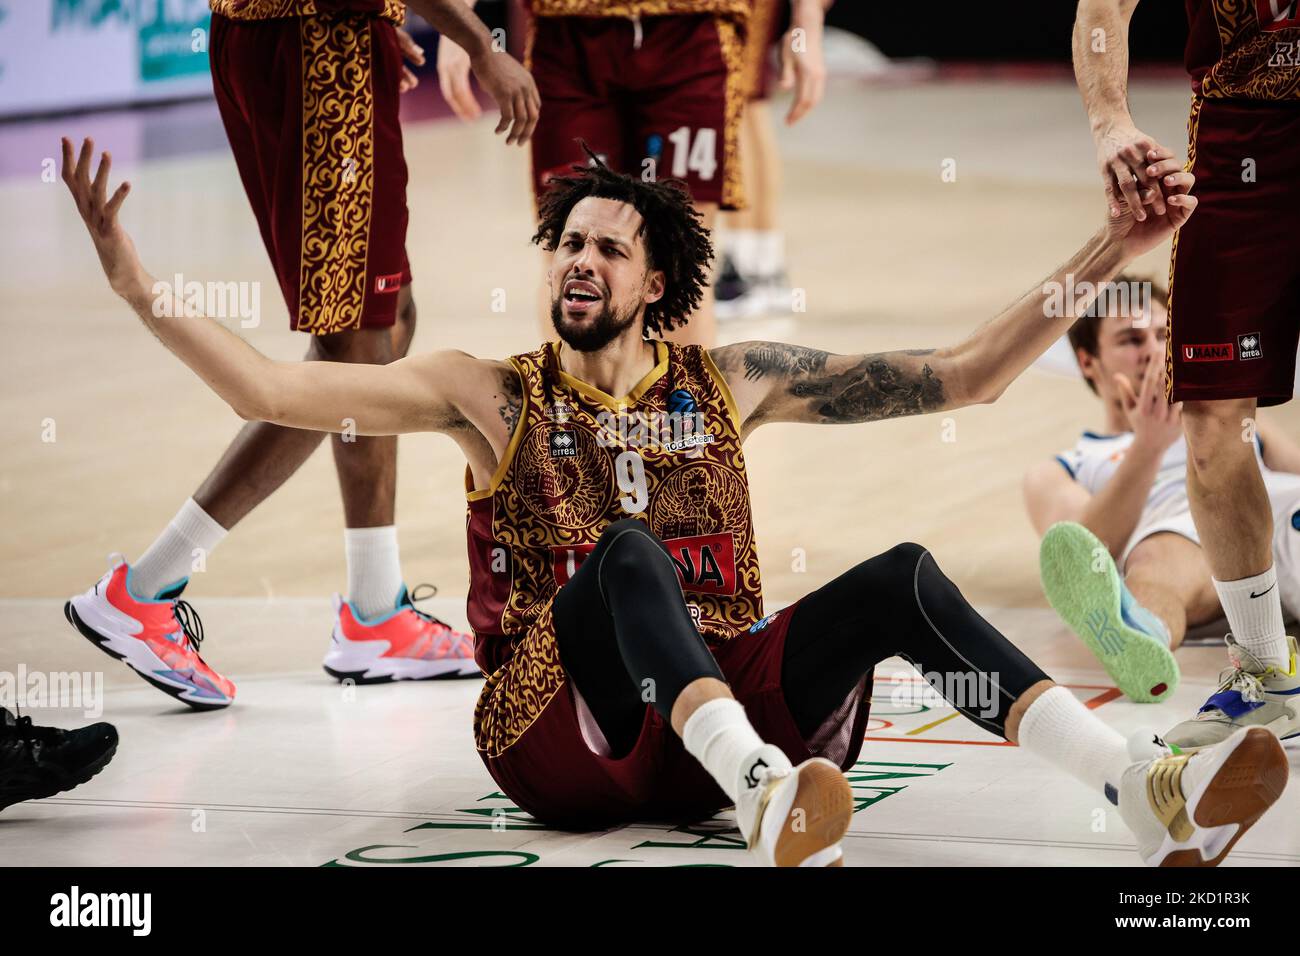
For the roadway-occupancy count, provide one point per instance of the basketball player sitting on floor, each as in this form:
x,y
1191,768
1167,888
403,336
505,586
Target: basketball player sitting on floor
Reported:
x,y
615,592
1120,498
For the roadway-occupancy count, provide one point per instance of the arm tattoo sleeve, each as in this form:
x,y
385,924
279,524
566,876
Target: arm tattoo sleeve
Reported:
x,y
884,385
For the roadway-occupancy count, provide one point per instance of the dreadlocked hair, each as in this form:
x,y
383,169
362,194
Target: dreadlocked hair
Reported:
x,y
675,240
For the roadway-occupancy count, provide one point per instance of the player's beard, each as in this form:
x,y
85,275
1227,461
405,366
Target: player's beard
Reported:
x,y
595,334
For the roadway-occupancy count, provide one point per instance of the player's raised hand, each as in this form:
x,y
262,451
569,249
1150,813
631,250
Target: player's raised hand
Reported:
x,y
803,69
98,210
413,52
1122,159
514,91
1153,421
1141,230
453,80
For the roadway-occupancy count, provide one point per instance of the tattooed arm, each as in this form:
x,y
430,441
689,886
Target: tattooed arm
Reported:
x,y
774,382
789,383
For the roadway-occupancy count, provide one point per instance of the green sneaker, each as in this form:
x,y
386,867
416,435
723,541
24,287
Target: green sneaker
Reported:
x,y
1085,588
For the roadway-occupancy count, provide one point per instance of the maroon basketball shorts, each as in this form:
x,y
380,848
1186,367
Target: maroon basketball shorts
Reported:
x,y
658,97
1234,315
764,28
543,748
310,108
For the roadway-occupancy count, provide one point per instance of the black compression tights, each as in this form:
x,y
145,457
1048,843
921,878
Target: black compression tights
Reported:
x,y
626,638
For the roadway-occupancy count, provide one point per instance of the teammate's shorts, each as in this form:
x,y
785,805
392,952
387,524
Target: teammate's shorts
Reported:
x,y
310,107
765,22
1284,500
1234,312
545,752
662,95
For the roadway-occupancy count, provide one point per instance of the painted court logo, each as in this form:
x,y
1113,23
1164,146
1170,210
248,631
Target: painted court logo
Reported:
x,y
103,909
1249,347
1208,353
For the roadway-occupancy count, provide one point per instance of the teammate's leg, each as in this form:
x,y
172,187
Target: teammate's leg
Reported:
x,y
900,603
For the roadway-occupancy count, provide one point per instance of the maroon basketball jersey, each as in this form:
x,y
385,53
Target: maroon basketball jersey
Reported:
x,y
1244,49
668,453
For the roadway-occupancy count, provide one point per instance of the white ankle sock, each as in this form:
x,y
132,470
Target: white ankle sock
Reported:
x,y
172,556
771,253
374,569
1256,621
1062,731
721,738
743,247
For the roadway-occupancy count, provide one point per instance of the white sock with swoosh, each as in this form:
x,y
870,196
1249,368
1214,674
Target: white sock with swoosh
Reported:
x,y
1254,610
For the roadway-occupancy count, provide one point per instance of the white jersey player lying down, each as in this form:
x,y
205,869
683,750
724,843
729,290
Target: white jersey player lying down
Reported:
x,y
1121,494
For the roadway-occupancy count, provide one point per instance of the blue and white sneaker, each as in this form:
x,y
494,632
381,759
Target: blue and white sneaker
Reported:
x,y
1249,695
1084,586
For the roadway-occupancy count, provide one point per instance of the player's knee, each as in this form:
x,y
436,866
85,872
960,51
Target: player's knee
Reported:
x,y
367,346
404,325
897,564
628,549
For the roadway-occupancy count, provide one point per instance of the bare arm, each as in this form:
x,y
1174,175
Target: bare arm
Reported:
x,y
775,382
414,394
1124,152
1051,495
1281,453
500,74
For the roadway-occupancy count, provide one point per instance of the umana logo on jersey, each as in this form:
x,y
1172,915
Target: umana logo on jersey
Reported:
x,y
1278,14
705,563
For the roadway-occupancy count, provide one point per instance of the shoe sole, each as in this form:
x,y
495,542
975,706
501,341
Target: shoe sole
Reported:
x,y
84,776
103,643
1250,780
818,818
1089,603
359,676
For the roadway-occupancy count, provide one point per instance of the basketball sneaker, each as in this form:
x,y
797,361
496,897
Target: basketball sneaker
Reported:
x,y
734,295
1249,695
405,644
38,762
158,639
796,817
1189,809
1084,586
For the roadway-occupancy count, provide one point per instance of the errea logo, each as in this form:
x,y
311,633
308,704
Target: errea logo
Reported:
x,y
103,909
1249,347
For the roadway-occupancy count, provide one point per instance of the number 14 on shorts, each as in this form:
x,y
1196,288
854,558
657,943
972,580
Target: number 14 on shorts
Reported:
x,y
698,154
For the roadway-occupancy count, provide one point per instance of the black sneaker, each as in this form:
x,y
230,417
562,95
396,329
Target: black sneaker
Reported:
x,y
734,296
38,762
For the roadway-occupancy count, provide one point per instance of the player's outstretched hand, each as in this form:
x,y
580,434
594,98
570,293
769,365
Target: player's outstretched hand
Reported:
x,y
413,52
1141,230
1122,151
1154,422
803,69
98,210
513,90
453,80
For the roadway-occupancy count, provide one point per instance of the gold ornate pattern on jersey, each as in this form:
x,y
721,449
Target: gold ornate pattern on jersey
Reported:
x,y
571,492
757,38
394,10
733,55
638,8
515,695
337,171
700,491
1255,64
1193,124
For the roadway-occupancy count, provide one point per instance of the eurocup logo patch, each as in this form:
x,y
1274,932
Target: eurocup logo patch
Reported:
x,y
681,402
563,444
1249,347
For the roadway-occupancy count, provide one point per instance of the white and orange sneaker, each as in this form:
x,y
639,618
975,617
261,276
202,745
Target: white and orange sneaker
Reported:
x,y
158,639
405,644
